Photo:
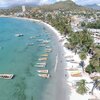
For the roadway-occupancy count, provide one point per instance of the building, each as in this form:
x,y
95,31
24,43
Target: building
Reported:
x,y
23,9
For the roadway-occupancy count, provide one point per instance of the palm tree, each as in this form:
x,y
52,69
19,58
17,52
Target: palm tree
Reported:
x,y
82,39
82,55
81,87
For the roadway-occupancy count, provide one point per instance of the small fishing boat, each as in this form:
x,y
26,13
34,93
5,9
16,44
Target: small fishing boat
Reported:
x,y
44,55
43,63
42,45
43,59
40,40
42,71
44,75
32,37
30,44
39,66
47,46
46,41
48,50
19,35
6,76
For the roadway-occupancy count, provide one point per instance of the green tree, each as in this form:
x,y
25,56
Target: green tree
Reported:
x,y
81,87
95,25
90,69
81,39
82,56
83,24
95,59
49,17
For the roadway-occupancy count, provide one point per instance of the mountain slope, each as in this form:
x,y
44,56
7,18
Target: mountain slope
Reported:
x,y
66,5
94,6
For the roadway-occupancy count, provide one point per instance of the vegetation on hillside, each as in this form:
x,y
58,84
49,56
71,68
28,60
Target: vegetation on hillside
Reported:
x,y
60,22
67,5
94,25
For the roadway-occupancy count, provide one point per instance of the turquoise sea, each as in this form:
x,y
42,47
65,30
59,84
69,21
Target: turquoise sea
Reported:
x,y
17,58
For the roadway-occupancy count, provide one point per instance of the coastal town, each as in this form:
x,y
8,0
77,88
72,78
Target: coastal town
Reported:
x,y
78,33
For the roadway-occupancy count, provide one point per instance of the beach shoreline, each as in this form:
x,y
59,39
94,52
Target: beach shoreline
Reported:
x,y
59,73
64,51
39,21
56,32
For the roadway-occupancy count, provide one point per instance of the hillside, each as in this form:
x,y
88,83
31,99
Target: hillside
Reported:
x,y
66,5
94,6
14,10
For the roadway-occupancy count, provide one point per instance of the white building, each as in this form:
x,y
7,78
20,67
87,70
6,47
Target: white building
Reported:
x,y
23,9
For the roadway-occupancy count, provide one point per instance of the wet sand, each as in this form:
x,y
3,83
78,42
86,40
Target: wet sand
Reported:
x,y
57,88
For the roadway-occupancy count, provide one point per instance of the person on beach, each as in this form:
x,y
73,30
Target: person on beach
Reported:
x,y
65,75
72,66
82,65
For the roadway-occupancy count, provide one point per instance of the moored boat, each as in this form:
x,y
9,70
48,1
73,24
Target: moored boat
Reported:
x,y
39,65
19,35
48,50
46,41
44,55
6,76
43,59
44,75
30,44
42,71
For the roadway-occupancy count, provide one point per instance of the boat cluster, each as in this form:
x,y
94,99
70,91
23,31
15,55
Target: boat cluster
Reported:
x,y
44,73
42,61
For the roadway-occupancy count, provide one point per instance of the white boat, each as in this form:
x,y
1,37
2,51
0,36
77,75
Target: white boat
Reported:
x,y
48,50
46,41
44,55
40,66
43,63
44,75
32,37
42,45
6,76
43,71
43,59
19,35
40,40
47,46
30,44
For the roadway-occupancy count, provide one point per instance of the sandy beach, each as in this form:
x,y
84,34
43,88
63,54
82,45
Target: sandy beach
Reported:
x,y
67,82
63,84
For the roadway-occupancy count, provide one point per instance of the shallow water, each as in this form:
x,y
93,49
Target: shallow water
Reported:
x,y
17,58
